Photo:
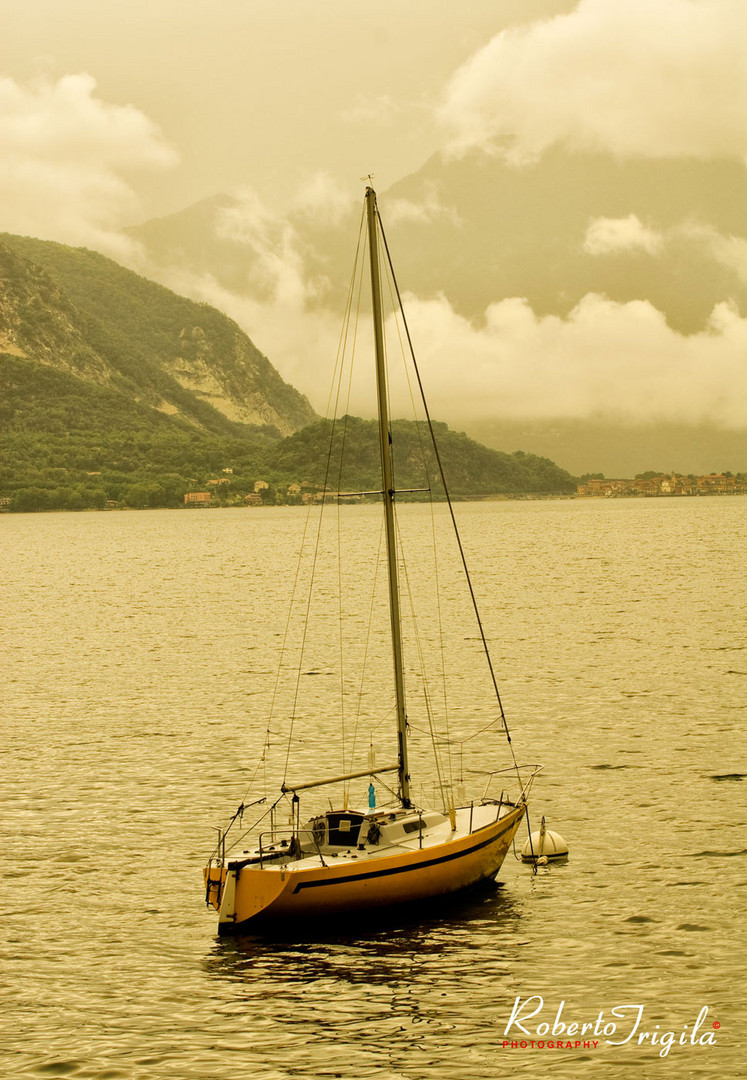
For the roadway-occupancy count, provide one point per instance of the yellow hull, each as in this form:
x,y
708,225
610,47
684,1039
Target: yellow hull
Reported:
x,y
251,895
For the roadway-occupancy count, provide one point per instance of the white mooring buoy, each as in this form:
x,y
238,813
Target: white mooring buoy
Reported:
x,y
544,846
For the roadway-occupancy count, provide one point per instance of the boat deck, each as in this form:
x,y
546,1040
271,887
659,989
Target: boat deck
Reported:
x,y
379,836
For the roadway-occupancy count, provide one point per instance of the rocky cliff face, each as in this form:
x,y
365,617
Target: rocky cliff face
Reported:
x,y
82,314
38,322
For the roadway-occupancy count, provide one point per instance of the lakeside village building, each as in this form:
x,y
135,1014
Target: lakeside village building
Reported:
x,y
672,484
294,491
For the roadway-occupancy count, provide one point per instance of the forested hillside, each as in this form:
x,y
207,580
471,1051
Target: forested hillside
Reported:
x,y
471,470
79,312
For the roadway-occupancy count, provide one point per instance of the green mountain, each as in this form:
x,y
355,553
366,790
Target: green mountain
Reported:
x,y
471,470
81,313
113,388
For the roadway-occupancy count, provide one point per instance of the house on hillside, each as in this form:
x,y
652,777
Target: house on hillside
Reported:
x,y
198,498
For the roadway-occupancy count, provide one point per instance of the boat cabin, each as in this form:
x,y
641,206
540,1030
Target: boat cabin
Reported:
x,y
350,829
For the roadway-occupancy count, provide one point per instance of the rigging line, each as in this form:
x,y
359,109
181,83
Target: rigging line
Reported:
x,y
398,312
340,646
364,661
259,765
487,727
348,306
251,828
384,344
237,816
305,626
339,365
448,500
442,651
341,649
263,759
392,792
346,418
421,656
283,647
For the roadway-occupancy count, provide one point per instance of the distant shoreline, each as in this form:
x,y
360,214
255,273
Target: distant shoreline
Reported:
x,y
532,497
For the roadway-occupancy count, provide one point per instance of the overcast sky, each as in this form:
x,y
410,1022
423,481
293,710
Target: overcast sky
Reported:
x,y
260,92
111,113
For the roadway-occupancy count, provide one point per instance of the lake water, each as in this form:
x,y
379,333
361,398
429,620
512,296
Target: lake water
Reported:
x,y
139,648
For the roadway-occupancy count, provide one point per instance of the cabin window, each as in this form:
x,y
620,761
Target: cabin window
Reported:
x,y
413,826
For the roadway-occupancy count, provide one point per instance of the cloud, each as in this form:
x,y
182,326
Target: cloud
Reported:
x,y
425,212
65,159
620,361
320,196
380,109
729,251
658,78
609,235
277,269
607,360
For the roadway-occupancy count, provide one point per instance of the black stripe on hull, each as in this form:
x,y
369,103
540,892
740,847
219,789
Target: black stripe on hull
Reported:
x,y
403,869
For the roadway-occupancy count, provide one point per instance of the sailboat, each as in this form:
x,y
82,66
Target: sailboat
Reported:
x,y
343,859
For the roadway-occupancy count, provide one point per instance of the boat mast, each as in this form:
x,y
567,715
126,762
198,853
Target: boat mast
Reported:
x,y
385,444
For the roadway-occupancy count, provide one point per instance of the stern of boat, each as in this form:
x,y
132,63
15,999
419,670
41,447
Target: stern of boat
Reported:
x,y
215,880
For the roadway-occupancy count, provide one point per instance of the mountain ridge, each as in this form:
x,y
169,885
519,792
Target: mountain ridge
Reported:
x,y
78,310
480,230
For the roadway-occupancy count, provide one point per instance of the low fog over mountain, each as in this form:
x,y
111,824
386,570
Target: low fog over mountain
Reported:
x,y
592,306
